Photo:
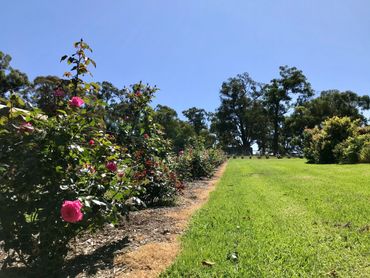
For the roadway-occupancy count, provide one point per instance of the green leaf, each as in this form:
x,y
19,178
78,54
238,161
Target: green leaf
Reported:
x,y
93,62
59,169
99,203
95,85
20,101
62,111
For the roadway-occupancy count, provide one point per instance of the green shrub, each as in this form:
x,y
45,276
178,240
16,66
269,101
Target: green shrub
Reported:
x,y
348,151
320,143
197,162
365,152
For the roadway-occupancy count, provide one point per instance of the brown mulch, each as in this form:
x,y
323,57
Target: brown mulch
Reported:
x,y
142,246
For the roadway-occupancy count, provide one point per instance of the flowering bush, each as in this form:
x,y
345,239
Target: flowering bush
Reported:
x,y
197,161
76,163
45,162
132,122
340,140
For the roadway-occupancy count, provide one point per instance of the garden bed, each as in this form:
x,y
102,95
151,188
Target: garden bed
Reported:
x,y
142,246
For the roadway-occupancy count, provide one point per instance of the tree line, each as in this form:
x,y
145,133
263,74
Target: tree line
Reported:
x,y
271,116
274,116
45,92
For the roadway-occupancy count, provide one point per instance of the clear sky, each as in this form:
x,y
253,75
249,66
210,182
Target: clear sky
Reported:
x,y
189,47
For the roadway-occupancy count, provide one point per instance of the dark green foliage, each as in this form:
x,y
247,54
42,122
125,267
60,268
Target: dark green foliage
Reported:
x,y
49,93
278,98
179,132
312,113
11,80
234,121
197,118
198,162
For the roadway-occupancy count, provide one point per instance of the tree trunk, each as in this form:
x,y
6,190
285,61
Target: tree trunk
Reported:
x,y
275,140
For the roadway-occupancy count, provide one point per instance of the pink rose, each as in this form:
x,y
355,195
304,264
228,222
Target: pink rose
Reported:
x,y
146,136
76,102
111,166
91,142
71,211
26,127
181,152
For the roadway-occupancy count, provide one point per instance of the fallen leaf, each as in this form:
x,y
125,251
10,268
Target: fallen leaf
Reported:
x,y
208,263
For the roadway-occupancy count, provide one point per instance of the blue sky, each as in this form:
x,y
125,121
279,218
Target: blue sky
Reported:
x,y
188,48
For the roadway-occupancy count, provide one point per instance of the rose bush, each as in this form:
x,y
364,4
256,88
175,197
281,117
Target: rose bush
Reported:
x,y
77,162
197,161
45,162
131,120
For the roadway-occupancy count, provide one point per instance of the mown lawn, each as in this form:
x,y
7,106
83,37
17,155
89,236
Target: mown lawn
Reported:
x,y
281,218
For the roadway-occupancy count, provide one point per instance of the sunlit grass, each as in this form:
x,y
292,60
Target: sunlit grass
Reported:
x,y
281,218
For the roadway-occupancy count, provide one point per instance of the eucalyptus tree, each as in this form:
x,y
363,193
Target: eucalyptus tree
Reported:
x,y
234,121
281,94
197,118
11,80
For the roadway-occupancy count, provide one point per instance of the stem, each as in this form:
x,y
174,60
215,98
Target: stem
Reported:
x,y
75,81
23,260
75,241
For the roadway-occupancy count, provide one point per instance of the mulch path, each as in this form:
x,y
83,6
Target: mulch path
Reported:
x,y
142,246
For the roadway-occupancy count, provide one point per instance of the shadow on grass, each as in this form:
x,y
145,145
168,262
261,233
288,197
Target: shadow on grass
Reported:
x,y
90,264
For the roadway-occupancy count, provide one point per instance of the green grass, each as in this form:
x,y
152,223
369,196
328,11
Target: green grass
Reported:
x,y
281,218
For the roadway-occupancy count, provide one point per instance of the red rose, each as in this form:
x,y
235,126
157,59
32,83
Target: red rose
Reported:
x,y
111,166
